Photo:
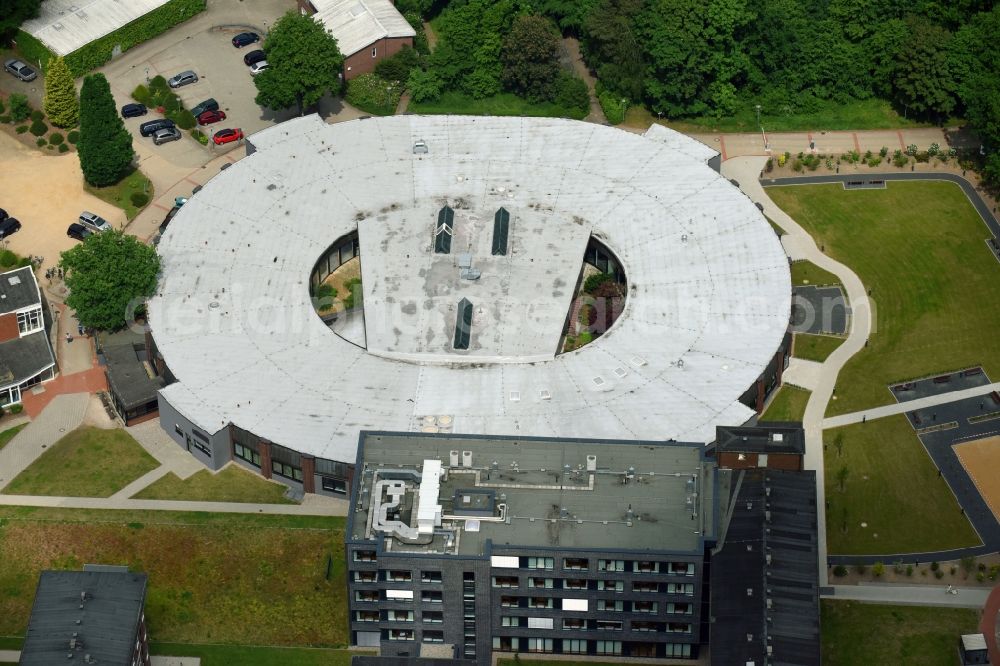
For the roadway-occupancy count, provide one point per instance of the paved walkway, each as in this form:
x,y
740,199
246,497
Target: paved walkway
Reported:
x,y
64,414
911,595
312,505
802,373
989,622
13,656
159,445
908,406
89,381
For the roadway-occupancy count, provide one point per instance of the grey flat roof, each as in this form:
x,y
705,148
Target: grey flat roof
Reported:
x,y
18,290
109,619
126,372
549,505
765,437
66,25
23,358
708,303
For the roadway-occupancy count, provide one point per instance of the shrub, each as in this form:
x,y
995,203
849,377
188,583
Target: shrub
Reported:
x,y
326,291
73,136
878,569
63,148
939,574
840,571
980,576
199,136
909,569
782,158
16,409
373,94
769,165
56,139
874,161
5,118
398,67
21,129
424,86
7,258
933,149
911,149
900,160
139,199
898,567
953,570
829,164
588,315
37,116
981,566
20,109
184,119
868,155
614,107
883,151
922,156
355,296
935,566
41,142
797,166
141,94
38,128
572,95
3,107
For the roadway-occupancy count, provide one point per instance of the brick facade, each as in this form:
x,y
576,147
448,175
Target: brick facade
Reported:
x,y
363,62
8,327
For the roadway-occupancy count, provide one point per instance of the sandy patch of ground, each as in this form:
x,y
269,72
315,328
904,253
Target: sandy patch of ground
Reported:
x,y
337,279
981,459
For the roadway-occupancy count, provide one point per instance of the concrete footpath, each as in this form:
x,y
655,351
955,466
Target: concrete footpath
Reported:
x,y
312,505
908,406
13,656
911,595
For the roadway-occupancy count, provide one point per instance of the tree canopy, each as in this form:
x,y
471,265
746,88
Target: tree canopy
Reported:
x,y
15,12
60,102
530,57
304,64
108,275
105,146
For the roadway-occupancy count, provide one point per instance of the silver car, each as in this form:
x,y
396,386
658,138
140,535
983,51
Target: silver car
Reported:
x,y
20,70
94,222
166,135
183,79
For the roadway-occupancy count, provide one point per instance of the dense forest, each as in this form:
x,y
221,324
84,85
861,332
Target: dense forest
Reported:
x,y
933,59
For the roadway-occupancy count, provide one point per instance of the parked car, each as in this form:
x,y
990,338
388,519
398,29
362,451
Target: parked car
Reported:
x,y
78,231
9,226
227,136
258,67
245,38
133,110
166,135
180,201
182,79
20,70
3,215
170,216
253,57
151,127
207,105
209,117
94,222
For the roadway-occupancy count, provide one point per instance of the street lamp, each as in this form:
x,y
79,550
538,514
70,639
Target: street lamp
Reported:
x,y
762,134
147,76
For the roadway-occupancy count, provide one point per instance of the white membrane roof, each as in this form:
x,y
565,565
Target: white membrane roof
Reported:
x,y
360,23
708,300
66,25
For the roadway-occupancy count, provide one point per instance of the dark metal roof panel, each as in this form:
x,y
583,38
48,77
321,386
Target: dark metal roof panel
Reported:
x,y
501,228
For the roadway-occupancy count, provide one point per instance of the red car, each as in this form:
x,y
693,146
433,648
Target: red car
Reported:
x,y
227,136
209,117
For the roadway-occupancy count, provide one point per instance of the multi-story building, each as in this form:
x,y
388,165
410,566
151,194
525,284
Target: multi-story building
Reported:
x,y
530,545
25,353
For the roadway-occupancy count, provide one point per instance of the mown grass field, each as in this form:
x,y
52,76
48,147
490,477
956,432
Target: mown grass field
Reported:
x,y
232,484
88,462
815,347
120,194
893,486
855,633
9,433
920,248
806,273
213,578
789,404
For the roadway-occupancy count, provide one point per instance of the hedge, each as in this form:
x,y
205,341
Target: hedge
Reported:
x,y
32,50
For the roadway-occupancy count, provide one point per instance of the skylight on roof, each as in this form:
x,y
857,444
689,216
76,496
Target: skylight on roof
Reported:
x,y
501,228
443,232
463,324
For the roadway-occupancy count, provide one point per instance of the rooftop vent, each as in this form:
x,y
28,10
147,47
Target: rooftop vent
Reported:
x,y
501,228
14,279
463,324
419,147
444,231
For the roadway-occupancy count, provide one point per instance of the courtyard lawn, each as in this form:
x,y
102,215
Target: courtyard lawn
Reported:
x,y
88,462
919,248
893,487
232,484
789,404
120,194
805,273
9,433
213,578
855,633
815,347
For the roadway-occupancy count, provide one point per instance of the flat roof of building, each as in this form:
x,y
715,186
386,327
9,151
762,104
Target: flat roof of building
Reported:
x,y
18,290
765,437
125,355
709,292
112,608
66,25
360,23
540,493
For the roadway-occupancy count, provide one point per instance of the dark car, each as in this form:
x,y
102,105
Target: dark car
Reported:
x,y
133,110
245,38
209,117
254,57
151,127
3,215
208,105
78,231
9,226
20,70
227,136
170,216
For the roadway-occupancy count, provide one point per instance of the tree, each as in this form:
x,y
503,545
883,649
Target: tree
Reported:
x,y
304,64
15,12
424,85
923,81
106,275
842,475
105,146
838,443
530,57
60,102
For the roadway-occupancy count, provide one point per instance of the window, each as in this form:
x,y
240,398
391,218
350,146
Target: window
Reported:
x,y
506,643
539,645
611,565
374,52
575,584
610,605
680,588
644,606
611,585
679,609
510,621
364,556
244,453
509,602
430,576
505,581
540,583
645,626
365,576
397,576
401,616
433,637
198,445
609,625
177,429
541,563
286,470
609,647
366,595
574,624
645,586
679,627
647,567
332,485
29,321
574,646
677,650
682,568
575,564
400,634
432,617
366,616
431,596
540,602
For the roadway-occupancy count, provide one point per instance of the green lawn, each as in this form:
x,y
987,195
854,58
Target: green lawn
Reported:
x,y
807,273
120,194
856,115
854,633
504,104
232,484
88,462
815,347
789,404
919,247
9,433
902,500
551,662
774,225
226,655
213,578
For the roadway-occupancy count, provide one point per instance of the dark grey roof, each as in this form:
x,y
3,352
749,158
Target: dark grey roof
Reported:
x,y
109,618
765,437
18,289
124,353
23,358
769,549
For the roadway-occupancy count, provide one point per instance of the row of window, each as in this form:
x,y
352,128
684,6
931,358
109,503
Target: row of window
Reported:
x,y
581,624
604,605
396,615
329,484
28,322
391,575
407,635
426,596
585,584
584,564
580,646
